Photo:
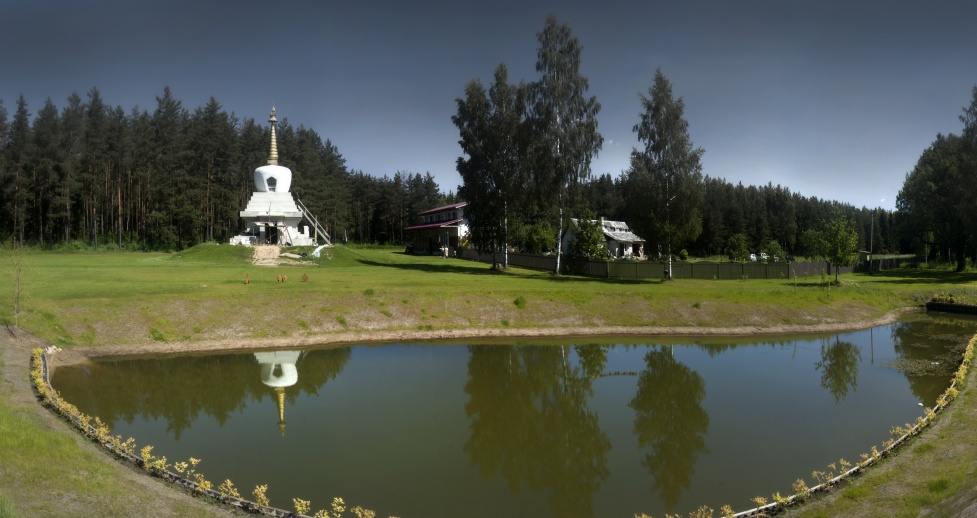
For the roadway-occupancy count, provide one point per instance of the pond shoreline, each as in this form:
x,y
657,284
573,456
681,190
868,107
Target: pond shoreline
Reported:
x,y
18,345
83,354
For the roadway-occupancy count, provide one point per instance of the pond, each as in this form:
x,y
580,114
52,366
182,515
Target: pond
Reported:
x,y
580,427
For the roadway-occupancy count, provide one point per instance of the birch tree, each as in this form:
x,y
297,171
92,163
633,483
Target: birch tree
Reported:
x,y
564,121
664,184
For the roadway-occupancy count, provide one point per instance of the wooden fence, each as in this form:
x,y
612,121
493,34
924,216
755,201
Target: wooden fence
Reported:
x,y
640,269
680,269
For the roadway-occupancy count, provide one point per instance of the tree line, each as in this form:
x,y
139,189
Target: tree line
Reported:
x,y
939,195
99,175
525,168
170,178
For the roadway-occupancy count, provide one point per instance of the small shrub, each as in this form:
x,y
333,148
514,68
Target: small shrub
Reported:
x,y
369,292
146,454
157,335
203,485
780,500
520,302
505,323
696,305
338,506
341,320
227,489
944,297
260,497
303,324
363,513
800,489
301,506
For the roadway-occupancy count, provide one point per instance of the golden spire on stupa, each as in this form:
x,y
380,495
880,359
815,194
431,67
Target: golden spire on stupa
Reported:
x,y
273,156
280,398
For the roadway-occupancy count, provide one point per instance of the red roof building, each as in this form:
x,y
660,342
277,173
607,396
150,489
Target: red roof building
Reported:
x,y
439,230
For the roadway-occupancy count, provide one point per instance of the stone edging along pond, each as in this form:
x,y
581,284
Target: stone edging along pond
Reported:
x,y
227,494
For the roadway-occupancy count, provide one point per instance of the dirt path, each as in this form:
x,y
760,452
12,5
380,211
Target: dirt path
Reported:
x,y
266,255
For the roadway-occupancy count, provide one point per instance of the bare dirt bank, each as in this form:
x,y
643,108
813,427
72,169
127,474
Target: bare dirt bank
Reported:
x,y
76,355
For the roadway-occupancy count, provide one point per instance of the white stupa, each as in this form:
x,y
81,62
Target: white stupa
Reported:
x,y
272,215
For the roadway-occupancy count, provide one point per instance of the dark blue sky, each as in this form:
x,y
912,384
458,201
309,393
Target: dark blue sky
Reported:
x,y
834,99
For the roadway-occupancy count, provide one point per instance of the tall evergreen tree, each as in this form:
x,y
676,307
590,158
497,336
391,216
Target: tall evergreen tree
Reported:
x,y
4,142
16,184
94,163
72,145
214,145
47,150
170,210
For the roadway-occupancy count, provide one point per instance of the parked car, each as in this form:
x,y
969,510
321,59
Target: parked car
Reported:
x,y
753,257
764,256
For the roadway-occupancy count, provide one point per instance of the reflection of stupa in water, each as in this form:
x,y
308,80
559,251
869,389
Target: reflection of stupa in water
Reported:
x,y
278,372
272,215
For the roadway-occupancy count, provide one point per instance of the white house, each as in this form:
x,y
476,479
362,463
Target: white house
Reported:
x,y
620,242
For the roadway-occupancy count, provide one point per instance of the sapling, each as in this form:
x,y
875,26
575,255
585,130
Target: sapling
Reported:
x,y
301,506
227,489
800,489
260,496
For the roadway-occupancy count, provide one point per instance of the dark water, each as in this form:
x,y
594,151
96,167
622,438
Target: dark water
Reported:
x,y
581,428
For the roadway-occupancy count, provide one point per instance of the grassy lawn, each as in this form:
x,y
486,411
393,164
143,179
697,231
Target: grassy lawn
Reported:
x,y
111,300
200,294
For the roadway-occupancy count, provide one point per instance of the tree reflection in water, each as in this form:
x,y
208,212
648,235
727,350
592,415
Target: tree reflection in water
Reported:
x,y
670,422
839,368
530,422
178,390
915,342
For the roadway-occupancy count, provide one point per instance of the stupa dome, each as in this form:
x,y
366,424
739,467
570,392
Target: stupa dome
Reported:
x,y
272,177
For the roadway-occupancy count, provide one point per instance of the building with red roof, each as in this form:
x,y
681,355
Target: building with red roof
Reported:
x,y
439,230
